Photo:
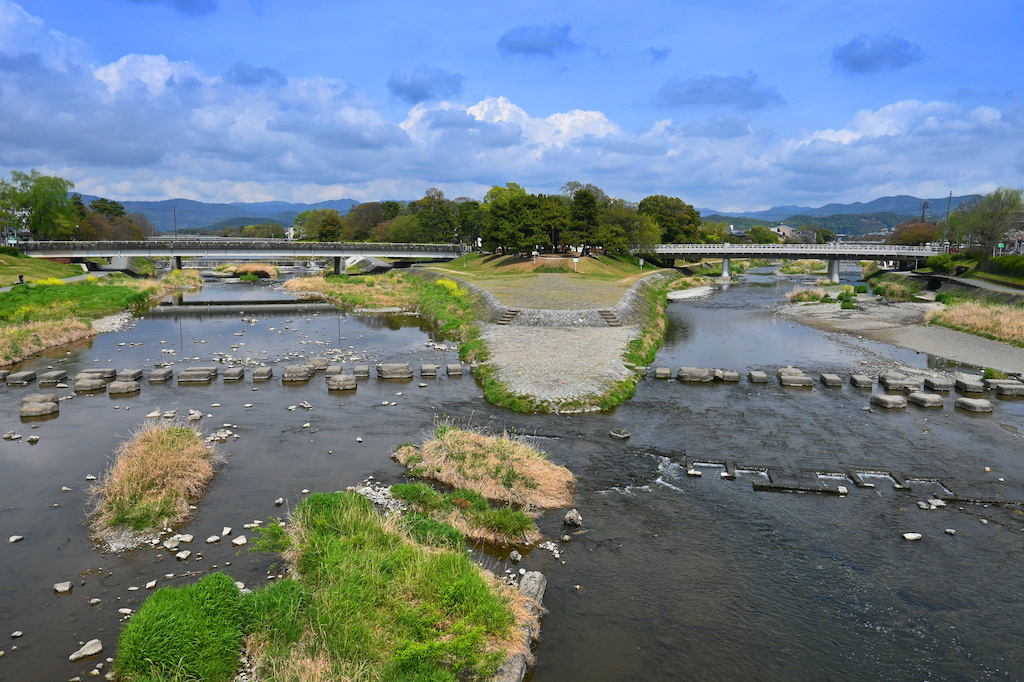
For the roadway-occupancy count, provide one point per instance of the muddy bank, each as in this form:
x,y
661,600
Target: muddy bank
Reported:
x,y
903,325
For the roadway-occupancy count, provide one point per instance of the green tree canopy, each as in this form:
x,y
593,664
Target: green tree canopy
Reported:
x,y
914,232
679,221
41,202
989,219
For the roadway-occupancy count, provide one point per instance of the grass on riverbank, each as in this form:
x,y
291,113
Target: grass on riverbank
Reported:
x,y
992,321
364,602
260,270
894,287
32,269
803,267
486,266
153,479
51,312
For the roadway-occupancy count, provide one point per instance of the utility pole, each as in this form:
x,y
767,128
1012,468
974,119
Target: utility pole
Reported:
x,y
174,212
949,203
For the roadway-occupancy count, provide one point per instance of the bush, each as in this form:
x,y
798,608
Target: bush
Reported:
x,y
248,277
10,251
991,373
1010,266
861,289
940,263
847,305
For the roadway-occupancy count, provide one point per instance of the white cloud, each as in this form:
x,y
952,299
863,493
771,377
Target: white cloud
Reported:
x,y
156,72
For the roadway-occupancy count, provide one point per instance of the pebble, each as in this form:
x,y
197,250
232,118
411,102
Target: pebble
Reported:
x,y
65,489
62,588
226,531
278,502
90,477
239,541
94,601
125,612
90,648
359,439
151,584
15,538
950,531
16,634
912,536
213,540
183,555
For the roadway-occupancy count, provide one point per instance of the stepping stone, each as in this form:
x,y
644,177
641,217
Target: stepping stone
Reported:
x,y
361,371
39,398
995,383
334,369
970,385
129,375
789,370
341,382
262,373
160,375
454,370
925,399
796,380
297,373
122,387
662,373
428,370
192,376
103,372
89,385
39,409
234,374
1015,389
831,380
756,376
20,378
53,377
729,375
211,369
861,381
394,370
974,404
318,364
4,373
938,384
695,374
889,402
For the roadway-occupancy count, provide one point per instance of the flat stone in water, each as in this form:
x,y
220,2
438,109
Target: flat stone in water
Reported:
x,y
938,384
39,409
53,377
90,385
121,387
662,373
39,398
974,404
394,370
925,399
20,378
831,380
757,376
361,371
234,374
889,402
454,370
695,374
160,375
129,375
796,380
861,381
341,382
428,370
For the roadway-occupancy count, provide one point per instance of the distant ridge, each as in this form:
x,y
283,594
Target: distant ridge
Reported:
x,y
901,204
196,214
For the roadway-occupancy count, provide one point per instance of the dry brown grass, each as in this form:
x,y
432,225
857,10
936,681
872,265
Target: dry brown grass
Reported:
x,y
259,269
804,294
302,664
999,322
154,477
380,291
501,468
18,342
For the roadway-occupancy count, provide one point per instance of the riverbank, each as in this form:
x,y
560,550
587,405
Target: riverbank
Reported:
x,y
903,325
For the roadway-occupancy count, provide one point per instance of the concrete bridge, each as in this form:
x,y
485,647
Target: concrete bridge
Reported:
x,y
237,249
908,256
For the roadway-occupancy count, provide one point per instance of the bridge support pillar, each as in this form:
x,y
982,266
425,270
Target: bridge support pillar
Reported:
x,y
727,268
833,270
339,266
175,262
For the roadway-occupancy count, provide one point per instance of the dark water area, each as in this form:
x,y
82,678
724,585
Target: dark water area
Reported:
x,y
675,577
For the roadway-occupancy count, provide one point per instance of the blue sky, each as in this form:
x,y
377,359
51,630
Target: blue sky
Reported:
x,y
729,104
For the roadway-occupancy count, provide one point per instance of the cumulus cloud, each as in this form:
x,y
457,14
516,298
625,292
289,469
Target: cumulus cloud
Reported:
x,y
536,39
742,92
247,76
189,7
422,84
865,54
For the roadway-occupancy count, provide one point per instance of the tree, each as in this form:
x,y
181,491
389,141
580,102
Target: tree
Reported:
x,y
471,218
989,219
321,225
570,188
436,216
43,202
679,221
584,219
554,219
913,233
763,235
361,219
111,209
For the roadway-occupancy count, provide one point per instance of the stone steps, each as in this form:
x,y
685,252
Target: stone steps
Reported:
x,y
609,317
508,316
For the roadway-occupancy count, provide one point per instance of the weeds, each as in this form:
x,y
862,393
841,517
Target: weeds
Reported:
x,y
154,477
992,321
806,295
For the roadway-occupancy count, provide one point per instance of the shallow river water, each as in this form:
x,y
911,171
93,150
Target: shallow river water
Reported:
x,y
675,577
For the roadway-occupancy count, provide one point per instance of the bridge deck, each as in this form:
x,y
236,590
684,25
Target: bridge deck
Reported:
x,y
236,249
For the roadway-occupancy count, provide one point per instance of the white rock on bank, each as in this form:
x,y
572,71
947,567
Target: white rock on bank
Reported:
x,y
62,588
911,536
91,648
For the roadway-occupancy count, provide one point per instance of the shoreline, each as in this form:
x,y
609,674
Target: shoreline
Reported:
x,y
902,325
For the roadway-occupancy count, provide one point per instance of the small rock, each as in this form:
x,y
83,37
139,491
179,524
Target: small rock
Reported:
x,y
15,538
151,584
573,518
91,648
90,477
359,439
213,540
183,555
239,541
226,531
911,536
16,634
515,556
566,538
278,502
950,531
65,489
62,588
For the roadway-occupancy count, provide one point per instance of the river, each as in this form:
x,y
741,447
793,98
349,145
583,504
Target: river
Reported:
x,y
675,577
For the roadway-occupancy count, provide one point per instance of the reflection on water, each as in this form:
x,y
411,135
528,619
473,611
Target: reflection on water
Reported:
x,y
674,577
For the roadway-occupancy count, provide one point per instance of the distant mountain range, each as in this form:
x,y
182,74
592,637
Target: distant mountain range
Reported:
x,y
902,205
197,214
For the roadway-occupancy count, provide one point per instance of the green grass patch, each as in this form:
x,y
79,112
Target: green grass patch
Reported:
x,y
991,373
803,267
459,509
185,633
895,287
32,268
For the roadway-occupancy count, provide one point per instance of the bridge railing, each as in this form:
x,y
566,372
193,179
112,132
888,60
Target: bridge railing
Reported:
x,y
222,244
815,248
